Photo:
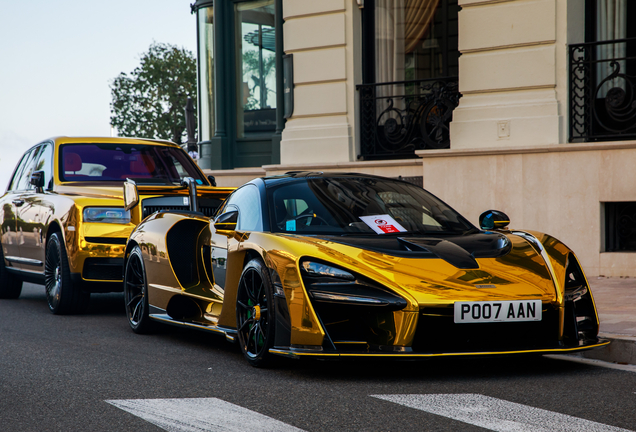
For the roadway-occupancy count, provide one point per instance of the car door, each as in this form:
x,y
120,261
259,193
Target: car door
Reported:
x,y
34,214
11,202
245,200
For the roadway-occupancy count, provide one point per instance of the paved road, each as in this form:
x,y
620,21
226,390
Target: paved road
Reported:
x,y
90,372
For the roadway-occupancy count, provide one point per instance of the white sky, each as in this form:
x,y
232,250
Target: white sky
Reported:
x,y
57,58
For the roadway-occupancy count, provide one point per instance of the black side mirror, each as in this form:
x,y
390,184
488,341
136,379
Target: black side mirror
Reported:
x,y
37,180
226,221
212,180
493,219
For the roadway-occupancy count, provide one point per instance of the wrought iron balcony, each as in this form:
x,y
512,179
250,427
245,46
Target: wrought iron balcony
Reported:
x,y
602,92
397,118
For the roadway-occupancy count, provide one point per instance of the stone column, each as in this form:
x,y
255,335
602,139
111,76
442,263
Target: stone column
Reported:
x,y
320,36
513,72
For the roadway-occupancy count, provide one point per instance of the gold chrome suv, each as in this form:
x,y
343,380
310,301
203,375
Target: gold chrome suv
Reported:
x,y
63,220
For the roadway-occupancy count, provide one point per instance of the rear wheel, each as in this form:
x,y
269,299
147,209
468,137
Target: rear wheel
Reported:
x,y
10,286
62,297
136,293
255,313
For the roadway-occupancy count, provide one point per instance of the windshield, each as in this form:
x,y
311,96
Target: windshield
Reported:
x,y
360,206
117,162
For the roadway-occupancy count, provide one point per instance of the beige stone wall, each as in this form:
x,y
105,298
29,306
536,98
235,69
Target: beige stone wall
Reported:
x,y
553,189
322,36
513,72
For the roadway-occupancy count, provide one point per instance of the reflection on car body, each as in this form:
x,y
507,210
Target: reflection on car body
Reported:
x,y
63,222
347,265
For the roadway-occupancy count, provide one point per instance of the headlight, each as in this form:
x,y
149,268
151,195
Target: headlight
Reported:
x,y
318,269
106,215
329,284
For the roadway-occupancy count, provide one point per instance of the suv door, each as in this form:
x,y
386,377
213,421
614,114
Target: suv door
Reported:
x,y
10,203
33,215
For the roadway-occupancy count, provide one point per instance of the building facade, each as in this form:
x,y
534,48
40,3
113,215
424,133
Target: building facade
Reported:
x,y
525,106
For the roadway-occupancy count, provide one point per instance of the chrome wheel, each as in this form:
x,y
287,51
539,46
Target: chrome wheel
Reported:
x,y
254,313
61,295
53,277
136,292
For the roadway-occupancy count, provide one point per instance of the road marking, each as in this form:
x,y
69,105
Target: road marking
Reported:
x,y
496,414
199,415
592,362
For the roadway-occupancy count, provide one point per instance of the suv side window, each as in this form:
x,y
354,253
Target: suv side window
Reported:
x,y
25,176
248,201
17,176
45,163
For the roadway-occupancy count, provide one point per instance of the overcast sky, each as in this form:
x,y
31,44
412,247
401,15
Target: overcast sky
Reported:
x,y
58,57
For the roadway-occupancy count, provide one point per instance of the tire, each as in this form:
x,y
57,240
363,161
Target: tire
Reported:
x,y
136,293
255,314
63,298
10,285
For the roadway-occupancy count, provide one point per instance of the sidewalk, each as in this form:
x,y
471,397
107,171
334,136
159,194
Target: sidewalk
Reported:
x,y
616,305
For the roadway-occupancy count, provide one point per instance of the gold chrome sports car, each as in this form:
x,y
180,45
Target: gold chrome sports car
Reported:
x,y
63,222
347,265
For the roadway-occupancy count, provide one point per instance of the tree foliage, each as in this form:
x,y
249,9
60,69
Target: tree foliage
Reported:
x,y
150,101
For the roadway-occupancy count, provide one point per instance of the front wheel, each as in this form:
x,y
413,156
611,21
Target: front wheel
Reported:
x,y
136,293
62,297
255,313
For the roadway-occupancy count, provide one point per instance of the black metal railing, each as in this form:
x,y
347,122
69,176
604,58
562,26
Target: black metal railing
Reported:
x,y
602,91
397,118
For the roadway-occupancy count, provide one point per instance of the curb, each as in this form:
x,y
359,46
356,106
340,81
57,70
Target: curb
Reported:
x,y
621,350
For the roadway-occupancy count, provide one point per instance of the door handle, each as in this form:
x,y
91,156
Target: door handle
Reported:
x,y
18,202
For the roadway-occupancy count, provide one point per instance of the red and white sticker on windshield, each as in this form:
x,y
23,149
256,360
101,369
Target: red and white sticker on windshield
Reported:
x,y
382,224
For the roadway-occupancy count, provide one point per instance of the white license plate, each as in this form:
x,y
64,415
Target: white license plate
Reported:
x,y
498,311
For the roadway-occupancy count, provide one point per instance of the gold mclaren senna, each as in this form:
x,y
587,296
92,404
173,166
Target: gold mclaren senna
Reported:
x,y
346,265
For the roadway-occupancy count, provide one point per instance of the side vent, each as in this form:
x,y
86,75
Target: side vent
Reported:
x,y
580,317
181,241
182,308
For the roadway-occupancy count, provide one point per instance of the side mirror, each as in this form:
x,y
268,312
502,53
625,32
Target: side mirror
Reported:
x,y
131,196
226,221
493,219
37,180
212,180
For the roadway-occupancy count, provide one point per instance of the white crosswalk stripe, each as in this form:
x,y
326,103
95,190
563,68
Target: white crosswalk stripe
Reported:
x,y
200,414
496,414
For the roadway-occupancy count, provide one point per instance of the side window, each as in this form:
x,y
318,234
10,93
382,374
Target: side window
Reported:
x,y
26,161
45,163
16,175
248,201
25,178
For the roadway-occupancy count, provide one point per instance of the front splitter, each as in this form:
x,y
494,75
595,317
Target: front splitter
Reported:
x,y
294,353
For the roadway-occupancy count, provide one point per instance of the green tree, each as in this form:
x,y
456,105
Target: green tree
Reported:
x,y
150,101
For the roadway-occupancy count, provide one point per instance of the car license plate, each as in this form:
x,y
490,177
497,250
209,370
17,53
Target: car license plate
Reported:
x,y
498,311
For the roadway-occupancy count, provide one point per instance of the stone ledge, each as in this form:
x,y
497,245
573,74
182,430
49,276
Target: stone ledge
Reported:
x,y
557,148
621,350
339,165
256,171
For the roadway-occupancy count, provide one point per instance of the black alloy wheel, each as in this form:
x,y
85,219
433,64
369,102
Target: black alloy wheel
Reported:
x,y
136,293
63,298
10,286
255,313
